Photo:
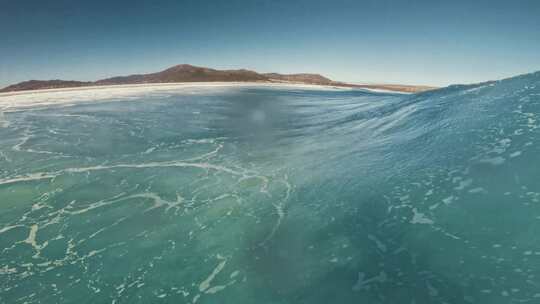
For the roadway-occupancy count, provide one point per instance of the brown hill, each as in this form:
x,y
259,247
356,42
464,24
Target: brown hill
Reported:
x,y
300,78
44,84
186,73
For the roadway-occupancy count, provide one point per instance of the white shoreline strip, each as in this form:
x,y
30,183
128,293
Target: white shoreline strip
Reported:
x,y
173,85
18,101
384,91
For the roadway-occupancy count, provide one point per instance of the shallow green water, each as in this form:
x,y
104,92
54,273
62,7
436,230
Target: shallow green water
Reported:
x,y
272,195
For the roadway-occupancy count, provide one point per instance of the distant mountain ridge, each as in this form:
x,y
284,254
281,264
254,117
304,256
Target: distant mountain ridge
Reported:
x,y
44,84
189,73
186,73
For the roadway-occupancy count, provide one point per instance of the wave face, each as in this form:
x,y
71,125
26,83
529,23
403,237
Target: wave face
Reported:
x,y
272,195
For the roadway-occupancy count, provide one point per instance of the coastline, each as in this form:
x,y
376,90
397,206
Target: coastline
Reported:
x,y
18,100
13,101
173,85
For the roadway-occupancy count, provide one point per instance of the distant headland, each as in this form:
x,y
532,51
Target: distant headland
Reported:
x,y
189,73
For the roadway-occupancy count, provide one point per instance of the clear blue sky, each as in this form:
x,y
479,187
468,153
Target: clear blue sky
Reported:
x,y
414,41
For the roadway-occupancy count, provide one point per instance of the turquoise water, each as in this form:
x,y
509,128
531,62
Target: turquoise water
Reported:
x,y
258,194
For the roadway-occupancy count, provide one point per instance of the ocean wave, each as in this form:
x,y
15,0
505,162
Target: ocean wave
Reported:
x,y
421,198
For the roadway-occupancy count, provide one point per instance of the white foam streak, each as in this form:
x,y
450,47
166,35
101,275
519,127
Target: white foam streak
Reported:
x,y
169,164
420,218
206,283
8,228
27,178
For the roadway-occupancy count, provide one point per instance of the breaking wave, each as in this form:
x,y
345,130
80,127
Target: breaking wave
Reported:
x,y
273,194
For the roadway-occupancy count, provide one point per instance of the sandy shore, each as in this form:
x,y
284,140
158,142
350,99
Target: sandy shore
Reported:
x,y
66,96
177,85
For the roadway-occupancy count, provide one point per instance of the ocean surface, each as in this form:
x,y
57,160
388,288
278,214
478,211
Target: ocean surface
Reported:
x,y
271,195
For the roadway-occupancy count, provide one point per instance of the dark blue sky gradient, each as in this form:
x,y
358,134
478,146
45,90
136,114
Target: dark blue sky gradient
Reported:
x,y
416,41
